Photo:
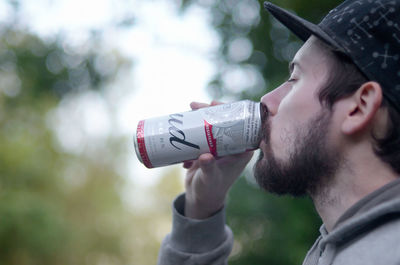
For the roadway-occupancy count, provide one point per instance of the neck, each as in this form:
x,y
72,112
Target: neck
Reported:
x,y
351,183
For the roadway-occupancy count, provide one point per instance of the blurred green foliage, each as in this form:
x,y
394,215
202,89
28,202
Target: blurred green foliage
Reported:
x,y
44,218
59,207
268,229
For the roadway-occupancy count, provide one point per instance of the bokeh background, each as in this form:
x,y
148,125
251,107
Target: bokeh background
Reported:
x,y
77,75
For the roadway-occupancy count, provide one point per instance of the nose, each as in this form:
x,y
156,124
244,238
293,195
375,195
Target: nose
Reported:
x,y
273,99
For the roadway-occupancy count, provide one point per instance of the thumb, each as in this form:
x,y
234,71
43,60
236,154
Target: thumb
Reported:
x,y
207,163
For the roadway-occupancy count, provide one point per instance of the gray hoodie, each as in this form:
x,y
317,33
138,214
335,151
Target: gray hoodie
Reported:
x,y
367,233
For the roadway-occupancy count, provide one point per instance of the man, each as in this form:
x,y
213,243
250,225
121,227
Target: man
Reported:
x,y
332,131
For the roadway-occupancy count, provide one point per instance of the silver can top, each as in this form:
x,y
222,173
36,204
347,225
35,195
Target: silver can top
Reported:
x,y
135,143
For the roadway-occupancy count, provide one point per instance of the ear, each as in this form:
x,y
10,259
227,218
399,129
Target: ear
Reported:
x,y
362,107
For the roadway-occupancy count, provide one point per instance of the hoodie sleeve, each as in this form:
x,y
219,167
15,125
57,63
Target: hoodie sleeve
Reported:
x,y
197,242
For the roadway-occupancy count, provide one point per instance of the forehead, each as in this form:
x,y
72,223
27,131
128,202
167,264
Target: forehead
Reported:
x,y
313,55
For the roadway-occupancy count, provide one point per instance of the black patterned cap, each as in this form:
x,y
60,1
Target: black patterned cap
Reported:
x,y
367,31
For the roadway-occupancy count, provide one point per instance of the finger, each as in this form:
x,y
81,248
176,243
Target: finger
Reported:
x,y
215,102
198,105
194,165
237,159
245,155
191,171
187,164
207,163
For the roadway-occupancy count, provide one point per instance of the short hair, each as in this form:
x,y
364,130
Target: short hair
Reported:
x,y
343,80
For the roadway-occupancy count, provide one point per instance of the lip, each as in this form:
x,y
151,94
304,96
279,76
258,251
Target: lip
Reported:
x,y
263,112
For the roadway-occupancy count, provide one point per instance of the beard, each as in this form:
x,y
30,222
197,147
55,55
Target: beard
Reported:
x,y
311,163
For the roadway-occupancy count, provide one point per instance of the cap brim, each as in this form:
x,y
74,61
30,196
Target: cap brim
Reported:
x,y
299,26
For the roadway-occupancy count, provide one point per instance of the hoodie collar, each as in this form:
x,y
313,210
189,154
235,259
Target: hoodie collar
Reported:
x,y
382,203
386,193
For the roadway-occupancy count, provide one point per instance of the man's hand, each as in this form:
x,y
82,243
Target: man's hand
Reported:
x,y
208,179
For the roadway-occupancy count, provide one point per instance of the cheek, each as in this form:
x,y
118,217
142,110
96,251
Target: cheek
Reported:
x,y
285,125
282,137
297,107
300,103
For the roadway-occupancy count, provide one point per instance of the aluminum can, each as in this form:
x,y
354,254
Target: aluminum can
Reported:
x,y
221,130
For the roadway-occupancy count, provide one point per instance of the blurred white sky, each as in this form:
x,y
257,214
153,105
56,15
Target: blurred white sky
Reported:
x,y
172,65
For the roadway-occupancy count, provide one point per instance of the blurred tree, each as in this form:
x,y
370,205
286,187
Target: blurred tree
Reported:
x,y
253,59
59,207
45,218
152,220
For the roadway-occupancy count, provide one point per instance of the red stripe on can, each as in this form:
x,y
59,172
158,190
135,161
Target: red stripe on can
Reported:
x,y
142,145
211,141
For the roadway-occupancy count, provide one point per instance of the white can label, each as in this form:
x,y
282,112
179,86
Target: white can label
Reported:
x,y
221,130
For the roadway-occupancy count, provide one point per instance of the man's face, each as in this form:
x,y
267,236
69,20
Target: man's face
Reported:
x,y
297,156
